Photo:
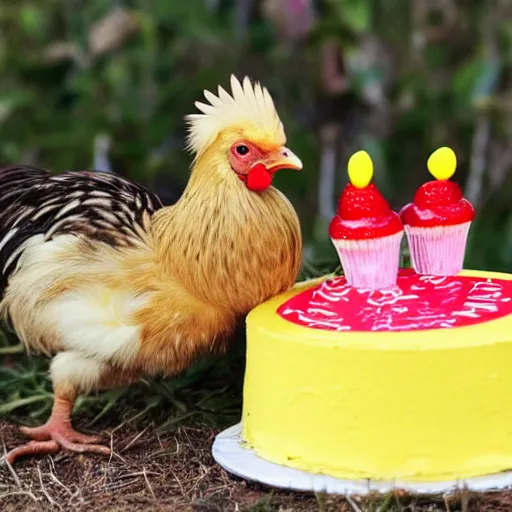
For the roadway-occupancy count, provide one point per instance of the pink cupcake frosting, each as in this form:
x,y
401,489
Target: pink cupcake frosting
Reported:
x,y
438,203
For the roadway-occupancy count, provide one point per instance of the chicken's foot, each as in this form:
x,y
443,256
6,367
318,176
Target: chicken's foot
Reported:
x,y
55,434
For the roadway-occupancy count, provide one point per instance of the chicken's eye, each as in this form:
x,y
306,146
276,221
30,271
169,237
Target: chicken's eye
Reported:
x,y
242,149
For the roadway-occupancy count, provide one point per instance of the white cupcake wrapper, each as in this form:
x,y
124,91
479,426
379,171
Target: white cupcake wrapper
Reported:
x,y
438,250
370,264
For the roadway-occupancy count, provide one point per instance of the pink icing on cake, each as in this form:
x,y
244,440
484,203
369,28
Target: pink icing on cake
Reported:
x,y
416,303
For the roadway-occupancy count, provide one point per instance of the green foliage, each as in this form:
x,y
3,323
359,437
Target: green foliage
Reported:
x,y
438,73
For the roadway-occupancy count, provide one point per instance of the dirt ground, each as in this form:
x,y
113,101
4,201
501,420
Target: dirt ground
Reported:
x,y
175,473
147,472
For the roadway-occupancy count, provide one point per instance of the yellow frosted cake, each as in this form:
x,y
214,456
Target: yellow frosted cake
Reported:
x,y
421,394
397,377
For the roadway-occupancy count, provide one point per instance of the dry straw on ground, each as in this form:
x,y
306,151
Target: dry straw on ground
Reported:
x,y
175,472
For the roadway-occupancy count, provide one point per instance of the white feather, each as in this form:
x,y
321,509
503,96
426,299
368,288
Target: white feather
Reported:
x,y
76,370
248,105
98,323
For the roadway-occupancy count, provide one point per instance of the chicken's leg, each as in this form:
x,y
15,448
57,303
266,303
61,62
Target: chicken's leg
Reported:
x,y
71,373
57,433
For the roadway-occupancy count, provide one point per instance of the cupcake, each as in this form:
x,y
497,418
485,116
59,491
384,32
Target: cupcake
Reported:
x,y
365,231
437,222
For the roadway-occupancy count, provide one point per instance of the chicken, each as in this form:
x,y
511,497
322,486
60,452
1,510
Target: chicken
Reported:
x,y
98,275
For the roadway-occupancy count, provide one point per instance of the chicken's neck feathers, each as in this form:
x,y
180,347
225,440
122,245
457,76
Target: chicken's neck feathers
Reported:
x,y
227,245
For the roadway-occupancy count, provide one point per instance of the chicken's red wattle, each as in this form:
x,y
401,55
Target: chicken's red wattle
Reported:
x,y
259,178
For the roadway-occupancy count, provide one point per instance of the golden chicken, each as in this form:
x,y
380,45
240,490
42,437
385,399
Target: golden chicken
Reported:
x,y
96,273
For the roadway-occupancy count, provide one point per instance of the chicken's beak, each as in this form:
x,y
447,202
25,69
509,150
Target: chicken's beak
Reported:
x,y
283,159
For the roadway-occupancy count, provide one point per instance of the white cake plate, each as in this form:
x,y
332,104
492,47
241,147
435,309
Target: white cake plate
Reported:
x,y
230,452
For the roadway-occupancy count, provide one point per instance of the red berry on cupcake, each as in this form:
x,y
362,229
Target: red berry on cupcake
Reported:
x,y
365,231
437,222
